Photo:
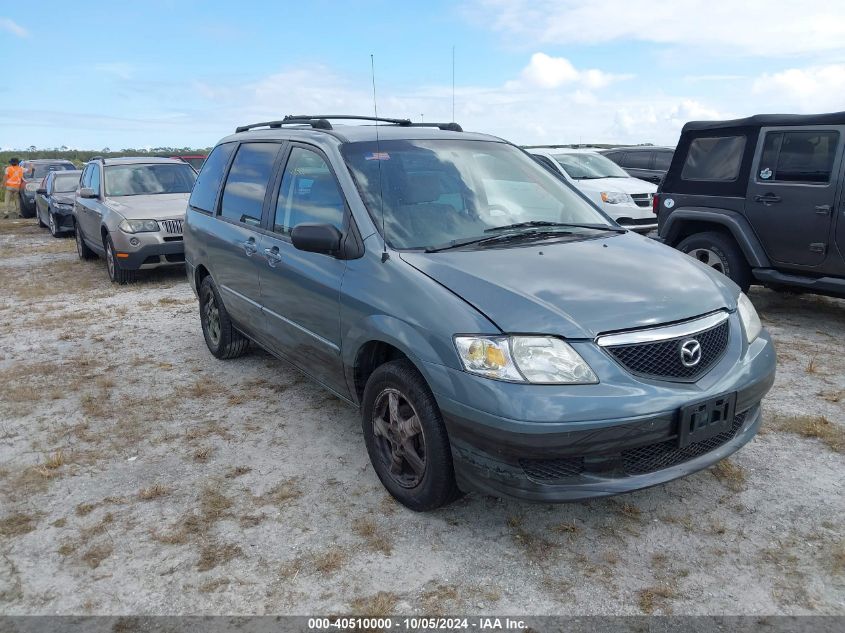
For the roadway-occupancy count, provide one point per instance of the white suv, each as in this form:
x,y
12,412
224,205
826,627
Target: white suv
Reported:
x,y
627,200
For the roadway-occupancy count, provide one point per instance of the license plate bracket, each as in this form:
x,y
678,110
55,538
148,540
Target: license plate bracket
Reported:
x,y
702,420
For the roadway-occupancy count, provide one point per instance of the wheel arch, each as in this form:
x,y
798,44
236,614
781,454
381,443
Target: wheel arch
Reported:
x,y
685,222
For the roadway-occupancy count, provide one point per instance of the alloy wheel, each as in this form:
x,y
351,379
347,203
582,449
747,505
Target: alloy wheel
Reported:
x,y
399,438
708,258
51,222
78,241
211,313
110,259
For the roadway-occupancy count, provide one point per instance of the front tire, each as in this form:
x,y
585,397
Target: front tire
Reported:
x,y
720,252
52,224
221,337
41,224
406,438
117,273
82,249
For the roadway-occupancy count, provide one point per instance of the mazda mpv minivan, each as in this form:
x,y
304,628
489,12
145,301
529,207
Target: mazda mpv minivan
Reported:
x,y
498,332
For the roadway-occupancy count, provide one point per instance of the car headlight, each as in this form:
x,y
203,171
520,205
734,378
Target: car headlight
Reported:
x,y
748,315
31,186
616,197
138,226
534,359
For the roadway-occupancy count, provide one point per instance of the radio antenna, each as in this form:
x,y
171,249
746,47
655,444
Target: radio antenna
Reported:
x,y
453,82
384,255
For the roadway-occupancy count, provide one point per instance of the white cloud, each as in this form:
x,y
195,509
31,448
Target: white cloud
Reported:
x,y
13,27
544,71
771,28
805,90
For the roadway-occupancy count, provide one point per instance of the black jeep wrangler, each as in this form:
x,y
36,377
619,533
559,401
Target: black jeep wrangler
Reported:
x,y
761,200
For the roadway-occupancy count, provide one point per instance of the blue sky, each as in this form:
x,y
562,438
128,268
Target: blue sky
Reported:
x,y
186,72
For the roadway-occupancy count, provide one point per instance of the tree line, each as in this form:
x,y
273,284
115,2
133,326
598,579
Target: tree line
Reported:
x,y
80,156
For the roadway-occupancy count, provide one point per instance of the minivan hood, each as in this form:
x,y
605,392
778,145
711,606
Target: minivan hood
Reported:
x,y
625,185
159,206
580,289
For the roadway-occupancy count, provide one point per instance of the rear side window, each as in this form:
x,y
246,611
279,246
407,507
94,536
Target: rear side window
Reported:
x,y
208,182
662,160
637,160
246,186
308,193
715,158
798,156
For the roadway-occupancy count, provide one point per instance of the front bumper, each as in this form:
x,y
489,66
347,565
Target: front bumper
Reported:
x,y
64,217
570,443
154,250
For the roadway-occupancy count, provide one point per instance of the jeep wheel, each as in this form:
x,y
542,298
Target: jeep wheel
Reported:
x,y
721,253
81,247
117,273
406,439
221,337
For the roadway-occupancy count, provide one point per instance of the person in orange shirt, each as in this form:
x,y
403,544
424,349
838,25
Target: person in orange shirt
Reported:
x,y
12,178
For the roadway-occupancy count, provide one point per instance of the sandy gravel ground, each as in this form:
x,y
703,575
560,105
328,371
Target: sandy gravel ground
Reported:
x,y
139,475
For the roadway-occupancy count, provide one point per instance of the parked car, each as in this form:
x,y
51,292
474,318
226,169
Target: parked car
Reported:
x,y
648,163
497,331
760,200
34,172
194,160
54,201
627,200
130,212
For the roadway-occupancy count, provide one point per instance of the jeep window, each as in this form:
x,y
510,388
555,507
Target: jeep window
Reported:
x,y
65,183
589,166
637,160
208,182
246,185
143,180
433,192
798,156
308,193
714,158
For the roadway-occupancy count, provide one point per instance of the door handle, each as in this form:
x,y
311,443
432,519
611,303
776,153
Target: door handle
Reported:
x,y
273,256
769,198
250,247
823,209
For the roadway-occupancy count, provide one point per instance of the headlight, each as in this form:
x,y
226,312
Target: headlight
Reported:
x,y
31,186
534,359
748,315
138,226
616,197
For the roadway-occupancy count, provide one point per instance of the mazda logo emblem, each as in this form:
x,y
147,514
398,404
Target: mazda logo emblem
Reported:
x,y
690,352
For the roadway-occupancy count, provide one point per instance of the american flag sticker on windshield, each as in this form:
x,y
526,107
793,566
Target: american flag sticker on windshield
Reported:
x,y
378,156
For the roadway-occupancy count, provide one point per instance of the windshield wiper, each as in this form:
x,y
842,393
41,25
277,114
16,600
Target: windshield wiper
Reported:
x,y
543,223
537,233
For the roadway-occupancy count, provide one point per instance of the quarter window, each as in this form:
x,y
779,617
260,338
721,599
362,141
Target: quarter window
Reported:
x,y
208,182
714,158
637,160
243,195
798,156
308,193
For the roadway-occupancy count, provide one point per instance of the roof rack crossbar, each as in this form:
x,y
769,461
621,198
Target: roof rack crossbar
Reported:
x,y
449,127
322,122
344,117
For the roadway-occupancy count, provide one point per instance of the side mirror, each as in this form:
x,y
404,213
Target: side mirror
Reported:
x,y
87,192
316,238
41,192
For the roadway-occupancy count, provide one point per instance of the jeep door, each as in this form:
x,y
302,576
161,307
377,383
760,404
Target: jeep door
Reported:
x,y
791,192
300,291
234,244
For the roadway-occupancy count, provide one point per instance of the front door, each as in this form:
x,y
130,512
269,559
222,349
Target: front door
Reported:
x,y
791,192
300,291
236,247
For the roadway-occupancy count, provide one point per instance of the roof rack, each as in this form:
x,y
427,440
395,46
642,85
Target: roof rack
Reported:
x,y
321,122
99,158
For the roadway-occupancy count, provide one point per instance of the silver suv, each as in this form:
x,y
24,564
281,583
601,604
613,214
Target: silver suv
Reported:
x,y
130,211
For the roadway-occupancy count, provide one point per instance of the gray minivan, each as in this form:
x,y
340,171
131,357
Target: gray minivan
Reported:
x,y
498,332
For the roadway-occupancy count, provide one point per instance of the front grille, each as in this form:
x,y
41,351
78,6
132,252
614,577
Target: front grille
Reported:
x,y
662,359
173,227
628,462
642,199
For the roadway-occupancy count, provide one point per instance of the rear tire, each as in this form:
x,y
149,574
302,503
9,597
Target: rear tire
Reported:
x,y
82,249
406,439
117,273
720,252
221,337
41,224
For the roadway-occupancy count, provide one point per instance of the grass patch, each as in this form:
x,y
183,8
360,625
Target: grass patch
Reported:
x,y
213,554
377,605
814,427
730,475
280,494
376,539
17,524
153,492
655,597
330,561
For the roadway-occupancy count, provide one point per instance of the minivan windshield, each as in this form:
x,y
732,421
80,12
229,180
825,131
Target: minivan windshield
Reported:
x,y
140,180
585,166
437,192
65,183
